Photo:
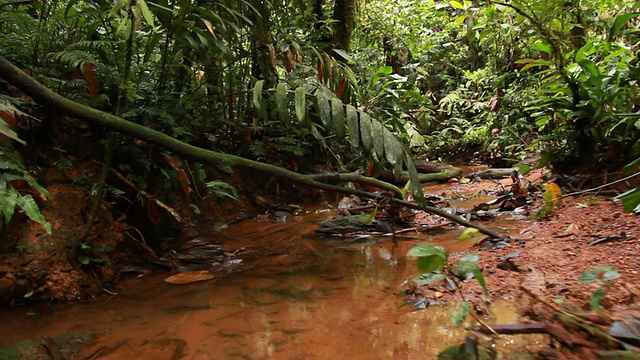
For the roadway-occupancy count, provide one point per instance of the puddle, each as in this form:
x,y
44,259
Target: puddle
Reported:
x,y
309,298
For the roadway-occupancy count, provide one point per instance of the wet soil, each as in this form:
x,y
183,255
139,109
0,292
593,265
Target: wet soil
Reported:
x,y
551,253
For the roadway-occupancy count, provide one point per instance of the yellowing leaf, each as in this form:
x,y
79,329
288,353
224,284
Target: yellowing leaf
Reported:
x,y
555,193
456,4
551,198
468,233
209,26
460,19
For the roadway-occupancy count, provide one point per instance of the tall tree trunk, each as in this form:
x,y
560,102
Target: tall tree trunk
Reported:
x,y
262,50
344,13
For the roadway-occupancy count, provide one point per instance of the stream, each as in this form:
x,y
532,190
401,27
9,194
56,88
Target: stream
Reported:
x,y
314,298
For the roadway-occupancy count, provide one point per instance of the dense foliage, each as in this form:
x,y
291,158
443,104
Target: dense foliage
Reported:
x,y
340,81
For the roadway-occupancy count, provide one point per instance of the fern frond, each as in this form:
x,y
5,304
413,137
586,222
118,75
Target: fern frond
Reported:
x,y
29,206
72,58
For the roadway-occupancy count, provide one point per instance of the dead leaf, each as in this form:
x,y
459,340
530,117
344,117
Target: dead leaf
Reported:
x,y
572,229
183,178
190,277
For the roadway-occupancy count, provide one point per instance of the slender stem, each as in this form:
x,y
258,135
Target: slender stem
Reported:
x,y
120,108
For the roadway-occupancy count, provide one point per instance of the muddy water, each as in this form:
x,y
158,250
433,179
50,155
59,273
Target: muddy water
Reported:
x,y
307,298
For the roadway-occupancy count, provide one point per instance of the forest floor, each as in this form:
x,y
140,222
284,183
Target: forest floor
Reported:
x,y
547,256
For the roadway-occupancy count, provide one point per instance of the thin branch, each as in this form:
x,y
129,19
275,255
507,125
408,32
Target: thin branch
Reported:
x,y
601,186
169,209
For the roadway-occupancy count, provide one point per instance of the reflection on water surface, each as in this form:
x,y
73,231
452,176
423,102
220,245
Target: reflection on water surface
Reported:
x,y
309,299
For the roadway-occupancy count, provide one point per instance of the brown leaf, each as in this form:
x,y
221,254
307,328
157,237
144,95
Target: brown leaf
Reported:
x,y
190,277
494,103
184,181
289,62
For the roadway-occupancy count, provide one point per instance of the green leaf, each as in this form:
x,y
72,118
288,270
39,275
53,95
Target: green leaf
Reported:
x,y
383,70
301,103
353,126
428,278
223,189
378,138
28,204
124,29
460,19
469,264
8,132
392,148
281,101
456,4
427,250
337,111
34,184
343,54
8,200
601,274
459,316
596,299
431,263
523,168
588,66
324,109
610,274
478,275
541,46
257,94
588,276
366,134
416,186
620,21
630,199
148,17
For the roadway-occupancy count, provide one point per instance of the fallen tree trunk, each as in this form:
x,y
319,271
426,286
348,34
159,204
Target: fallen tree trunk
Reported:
x,y
224,162
444,173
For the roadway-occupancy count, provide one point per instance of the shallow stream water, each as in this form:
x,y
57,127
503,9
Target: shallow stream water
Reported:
x,y
313,298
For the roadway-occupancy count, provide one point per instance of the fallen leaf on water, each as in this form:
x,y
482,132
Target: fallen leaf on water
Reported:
x,y
190,277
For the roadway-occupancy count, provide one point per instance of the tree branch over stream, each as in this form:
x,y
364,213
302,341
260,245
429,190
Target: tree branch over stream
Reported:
x,y
224,162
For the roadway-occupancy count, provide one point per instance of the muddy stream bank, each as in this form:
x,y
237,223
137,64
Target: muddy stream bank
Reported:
x,y
314,298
